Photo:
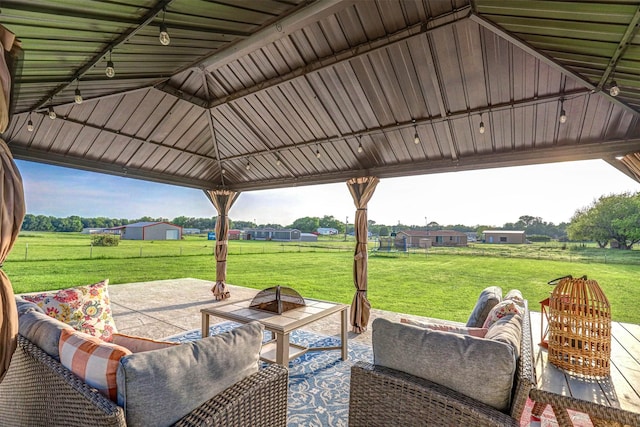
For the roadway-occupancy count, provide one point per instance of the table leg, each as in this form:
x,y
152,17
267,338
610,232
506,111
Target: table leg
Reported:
x,y
205,325
343,335
282,349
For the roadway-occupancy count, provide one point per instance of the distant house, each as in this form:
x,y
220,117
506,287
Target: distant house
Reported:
x,y
190,231
308,237
96,230
323,231
283,235
150,231
426,239
234,234
504,236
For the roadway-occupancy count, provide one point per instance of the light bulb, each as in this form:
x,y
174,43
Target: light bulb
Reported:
x,y
110,71
223,171
248,166
278,161
563,116
318,154
360,148
164,35
30,126
52,114
416,139
482,128
614,90
78,97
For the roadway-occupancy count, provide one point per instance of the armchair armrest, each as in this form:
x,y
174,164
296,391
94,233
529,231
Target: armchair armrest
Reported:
x,y
382,396
258,400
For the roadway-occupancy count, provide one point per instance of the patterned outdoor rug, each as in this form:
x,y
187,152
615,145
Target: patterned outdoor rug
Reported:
x,y
319,381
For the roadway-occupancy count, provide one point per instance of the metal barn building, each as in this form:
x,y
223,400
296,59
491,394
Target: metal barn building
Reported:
x,y
151,231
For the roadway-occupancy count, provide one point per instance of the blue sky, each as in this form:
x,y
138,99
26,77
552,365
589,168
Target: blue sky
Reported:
x,y
488,197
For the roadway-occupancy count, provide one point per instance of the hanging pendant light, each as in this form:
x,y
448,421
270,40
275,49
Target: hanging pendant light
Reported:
x,y
52,114
164,34
30,123
563,114
110,71
318,155
78,96
360,149
614,90
416,137
248,166
278,161
481,128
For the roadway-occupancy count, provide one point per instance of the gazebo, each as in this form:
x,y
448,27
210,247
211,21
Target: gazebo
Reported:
x,y
230,96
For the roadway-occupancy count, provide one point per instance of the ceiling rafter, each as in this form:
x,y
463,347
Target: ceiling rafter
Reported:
x,y
429,120
629,34
117,133
121,39
349,54
544,58
595,150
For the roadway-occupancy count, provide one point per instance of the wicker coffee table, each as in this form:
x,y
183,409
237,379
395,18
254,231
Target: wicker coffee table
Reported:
x,y
280,350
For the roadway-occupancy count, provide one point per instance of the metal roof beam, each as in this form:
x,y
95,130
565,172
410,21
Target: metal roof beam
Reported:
x,y
629,34
42,156
116,133
177,93
595,150
501,32
122,38
294,22
349,54
428,120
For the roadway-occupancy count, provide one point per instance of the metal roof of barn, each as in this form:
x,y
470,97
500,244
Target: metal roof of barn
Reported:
x,y
274,93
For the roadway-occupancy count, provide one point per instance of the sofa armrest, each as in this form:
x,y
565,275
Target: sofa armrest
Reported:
x,y
258,400
38,391
382,396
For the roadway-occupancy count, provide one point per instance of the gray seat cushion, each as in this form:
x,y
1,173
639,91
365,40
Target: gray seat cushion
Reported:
x,y
488,298
507,330
158,387
25,306
477,367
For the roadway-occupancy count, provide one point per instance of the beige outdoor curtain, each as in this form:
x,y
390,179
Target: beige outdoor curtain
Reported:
x,y
361,190
11,214
222,200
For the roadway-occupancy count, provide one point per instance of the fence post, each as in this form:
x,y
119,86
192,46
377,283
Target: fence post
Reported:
x,y
90,250
26,251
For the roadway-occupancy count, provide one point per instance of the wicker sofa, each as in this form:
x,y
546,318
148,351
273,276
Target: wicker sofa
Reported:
x,y
382,396
38,390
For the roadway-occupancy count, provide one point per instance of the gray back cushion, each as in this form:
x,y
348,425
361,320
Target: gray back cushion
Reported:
x,y
488,298
479,368
25,306
42,330
158,387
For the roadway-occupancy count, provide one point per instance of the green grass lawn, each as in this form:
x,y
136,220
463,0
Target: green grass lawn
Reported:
x,y
439,284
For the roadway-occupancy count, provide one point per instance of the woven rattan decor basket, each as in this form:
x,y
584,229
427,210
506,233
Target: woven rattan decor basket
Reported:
x,y
580,327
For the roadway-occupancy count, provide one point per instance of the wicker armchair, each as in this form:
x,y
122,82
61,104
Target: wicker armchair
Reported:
x,y
382,396
38,391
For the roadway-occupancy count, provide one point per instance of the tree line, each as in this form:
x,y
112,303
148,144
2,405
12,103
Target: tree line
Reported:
x,y
612,218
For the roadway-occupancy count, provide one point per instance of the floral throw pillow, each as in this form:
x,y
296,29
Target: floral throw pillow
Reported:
x,y
85,308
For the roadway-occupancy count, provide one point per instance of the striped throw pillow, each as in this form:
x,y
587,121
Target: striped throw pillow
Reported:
x,y
91,359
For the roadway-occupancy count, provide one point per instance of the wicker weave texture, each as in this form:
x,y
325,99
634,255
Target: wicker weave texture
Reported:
x,y
580,328
39,391
381,396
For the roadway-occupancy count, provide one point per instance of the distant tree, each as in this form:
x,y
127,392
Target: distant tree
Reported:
x,y
383,231
307,224
271,225
244,224
612,217
329,221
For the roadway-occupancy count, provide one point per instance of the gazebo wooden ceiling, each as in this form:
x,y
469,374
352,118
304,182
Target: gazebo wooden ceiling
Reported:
x,y
275,93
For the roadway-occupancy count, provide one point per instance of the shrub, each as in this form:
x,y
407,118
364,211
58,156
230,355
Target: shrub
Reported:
x,y
538,238
105,239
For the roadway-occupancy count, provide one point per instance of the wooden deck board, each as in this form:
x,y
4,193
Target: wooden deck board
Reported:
x,y
620,390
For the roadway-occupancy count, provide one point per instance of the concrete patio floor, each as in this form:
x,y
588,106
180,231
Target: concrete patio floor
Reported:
x,y
163,308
